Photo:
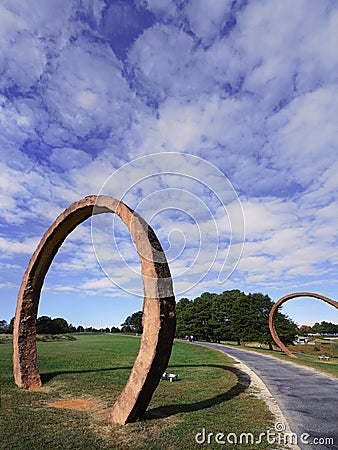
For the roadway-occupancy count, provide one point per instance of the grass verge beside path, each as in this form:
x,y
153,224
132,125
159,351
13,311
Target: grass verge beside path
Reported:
x,y
327,367
82,379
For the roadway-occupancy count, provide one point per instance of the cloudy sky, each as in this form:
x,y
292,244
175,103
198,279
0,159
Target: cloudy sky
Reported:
x,y
216,120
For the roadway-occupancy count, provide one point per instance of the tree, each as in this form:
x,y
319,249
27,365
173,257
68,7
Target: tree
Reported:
x,y
59,326
325,328
231,315
286,328
207,317
47,325
115,330
184,317
71,329
44,325
133,323
305,329
11,326
3,326
222,314
243,326
201,321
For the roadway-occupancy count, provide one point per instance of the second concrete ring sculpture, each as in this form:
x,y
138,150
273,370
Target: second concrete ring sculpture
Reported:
x,y
279,303
159,319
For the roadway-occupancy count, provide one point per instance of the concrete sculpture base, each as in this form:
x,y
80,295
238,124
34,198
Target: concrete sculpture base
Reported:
x,y
284,299
159,319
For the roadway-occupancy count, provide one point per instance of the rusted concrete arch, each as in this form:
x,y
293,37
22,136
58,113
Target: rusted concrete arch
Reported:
x,y
284,299
159,318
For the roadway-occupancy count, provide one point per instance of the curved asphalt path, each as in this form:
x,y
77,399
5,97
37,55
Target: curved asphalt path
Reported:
x,y
308,400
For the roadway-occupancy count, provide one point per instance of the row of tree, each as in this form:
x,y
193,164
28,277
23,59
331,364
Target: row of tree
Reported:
x,y
320,328
133,323
231,315
47,325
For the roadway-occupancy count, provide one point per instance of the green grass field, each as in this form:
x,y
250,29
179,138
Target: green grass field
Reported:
x,y
92,371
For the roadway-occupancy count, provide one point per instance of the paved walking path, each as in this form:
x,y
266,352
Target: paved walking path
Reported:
x,y
308,399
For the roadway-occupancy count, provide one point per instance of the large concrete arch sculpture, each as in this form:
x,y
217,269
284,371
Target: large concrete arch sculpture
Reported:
x,y
284,299
159,319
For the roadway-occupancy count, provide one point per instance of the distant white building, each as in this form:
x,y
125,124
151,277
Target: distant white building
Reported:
x,y
301,340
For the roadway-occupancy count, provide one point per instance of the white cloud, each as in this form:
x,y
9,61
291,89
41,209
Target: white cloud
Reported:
x,y
69,158
264,217
277,47
162,8
160,59
250,88
24,60
9,247
287,239
86,90
305,131
207,18
7,285
103,283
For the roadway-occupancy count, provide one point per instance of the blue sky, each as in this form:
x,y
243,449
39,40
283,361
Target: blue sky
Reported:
x,y
213,119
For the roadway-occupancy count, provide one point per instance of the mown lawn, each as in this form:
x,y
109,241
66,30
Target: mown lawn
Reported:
x,y
93,369
304,357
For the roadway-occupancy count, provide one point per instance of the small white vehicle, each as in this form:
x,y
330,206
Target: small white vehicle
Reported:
x,y
170,376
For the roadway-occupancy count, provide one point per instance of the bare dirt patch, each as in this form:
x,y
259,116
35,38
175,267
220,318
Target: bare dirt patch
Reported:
x,y
79,404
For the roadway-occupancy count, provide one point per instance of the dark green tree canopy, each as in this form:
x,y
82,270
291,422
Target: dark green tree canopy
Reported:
x,y
4,326
325,328
133,323
231,315
47,325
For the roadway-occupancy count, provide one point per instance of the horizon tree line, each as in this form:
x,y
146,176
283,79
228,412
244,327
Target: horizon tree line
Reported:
x,y
229,316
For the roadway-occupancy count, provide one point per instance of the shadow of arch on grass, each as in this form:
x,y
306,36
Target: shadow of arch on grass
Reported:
x,y
243,382
48,376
